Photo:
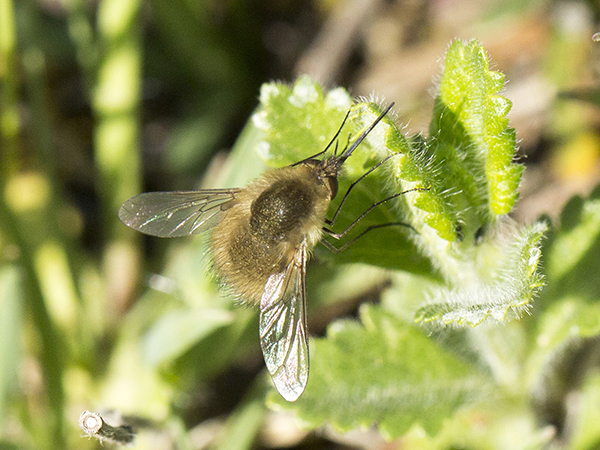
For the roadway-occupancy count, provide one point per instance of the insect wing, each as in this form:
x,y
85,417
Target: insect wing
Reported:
x,y
178,213
283,335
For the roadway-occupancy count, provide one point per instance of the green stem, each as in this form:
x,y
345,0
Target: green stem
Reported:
x,y
82,36
52,348
116,102
34,63
10,122
51,353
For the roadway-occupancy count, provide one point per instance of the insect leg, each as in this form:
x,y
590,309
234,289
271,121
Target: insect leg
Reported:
x,y
339,208
367,211
329,246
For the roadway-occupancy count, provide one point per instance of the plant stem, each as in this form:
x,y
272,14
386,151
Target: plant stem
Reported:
x,y
116,101
10,122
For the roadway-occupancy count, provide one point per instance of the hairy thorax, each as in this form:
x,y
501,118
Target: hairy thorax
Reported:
x,y
268,222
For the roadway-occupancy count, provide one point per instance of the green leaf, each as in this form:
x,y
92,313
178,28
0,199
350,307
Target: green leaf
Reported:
x,y
177,331
383,372
300,121
572,251
571,319
471,131
568,312
459,180
586,433
567,324
501,286
564,344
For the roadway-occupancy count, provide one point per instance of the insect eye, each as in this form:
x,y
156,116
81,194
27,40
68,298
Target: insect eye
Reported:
x,y
332,183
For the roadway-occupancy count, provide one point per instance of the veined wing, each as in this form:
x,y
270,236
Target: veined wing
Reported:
x,y
177,213
283,334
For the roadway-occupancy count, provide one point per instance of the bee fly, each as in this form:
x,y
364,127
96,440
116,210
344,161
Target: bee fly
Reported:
x,y
260,243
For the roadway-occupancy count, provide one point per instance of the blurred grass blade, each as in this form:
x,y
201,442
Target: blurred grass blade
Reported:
x,y
51,226
82,36
50,341
177,331
51,351
10,122
244,424
116,102
11,318
586,433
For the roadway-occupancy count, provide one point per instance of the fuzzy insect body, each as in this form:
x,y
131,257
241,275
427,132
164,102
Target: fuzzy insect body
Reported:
x,y
269,221
262,235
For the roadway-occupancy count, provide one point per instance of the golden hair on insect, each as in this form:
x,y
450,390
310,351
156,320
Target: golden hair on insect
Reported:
x,y
261,238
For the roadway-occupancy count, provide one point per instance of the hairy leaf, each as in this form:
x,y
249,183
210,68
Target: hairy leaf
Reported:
x,y
300,121
506,280
383,372
471,130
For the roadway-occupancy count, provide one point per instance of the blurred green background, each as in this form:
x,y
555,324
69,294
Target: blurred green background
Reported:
x,y
102,100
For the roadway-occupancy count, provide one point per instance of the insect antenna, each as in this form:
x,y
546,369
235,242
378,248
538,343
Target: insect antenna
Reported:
x,y
334,139
344,156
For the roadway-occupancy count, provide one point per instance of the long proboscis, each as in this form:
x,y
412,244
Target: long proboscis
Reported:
x,y
357,142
